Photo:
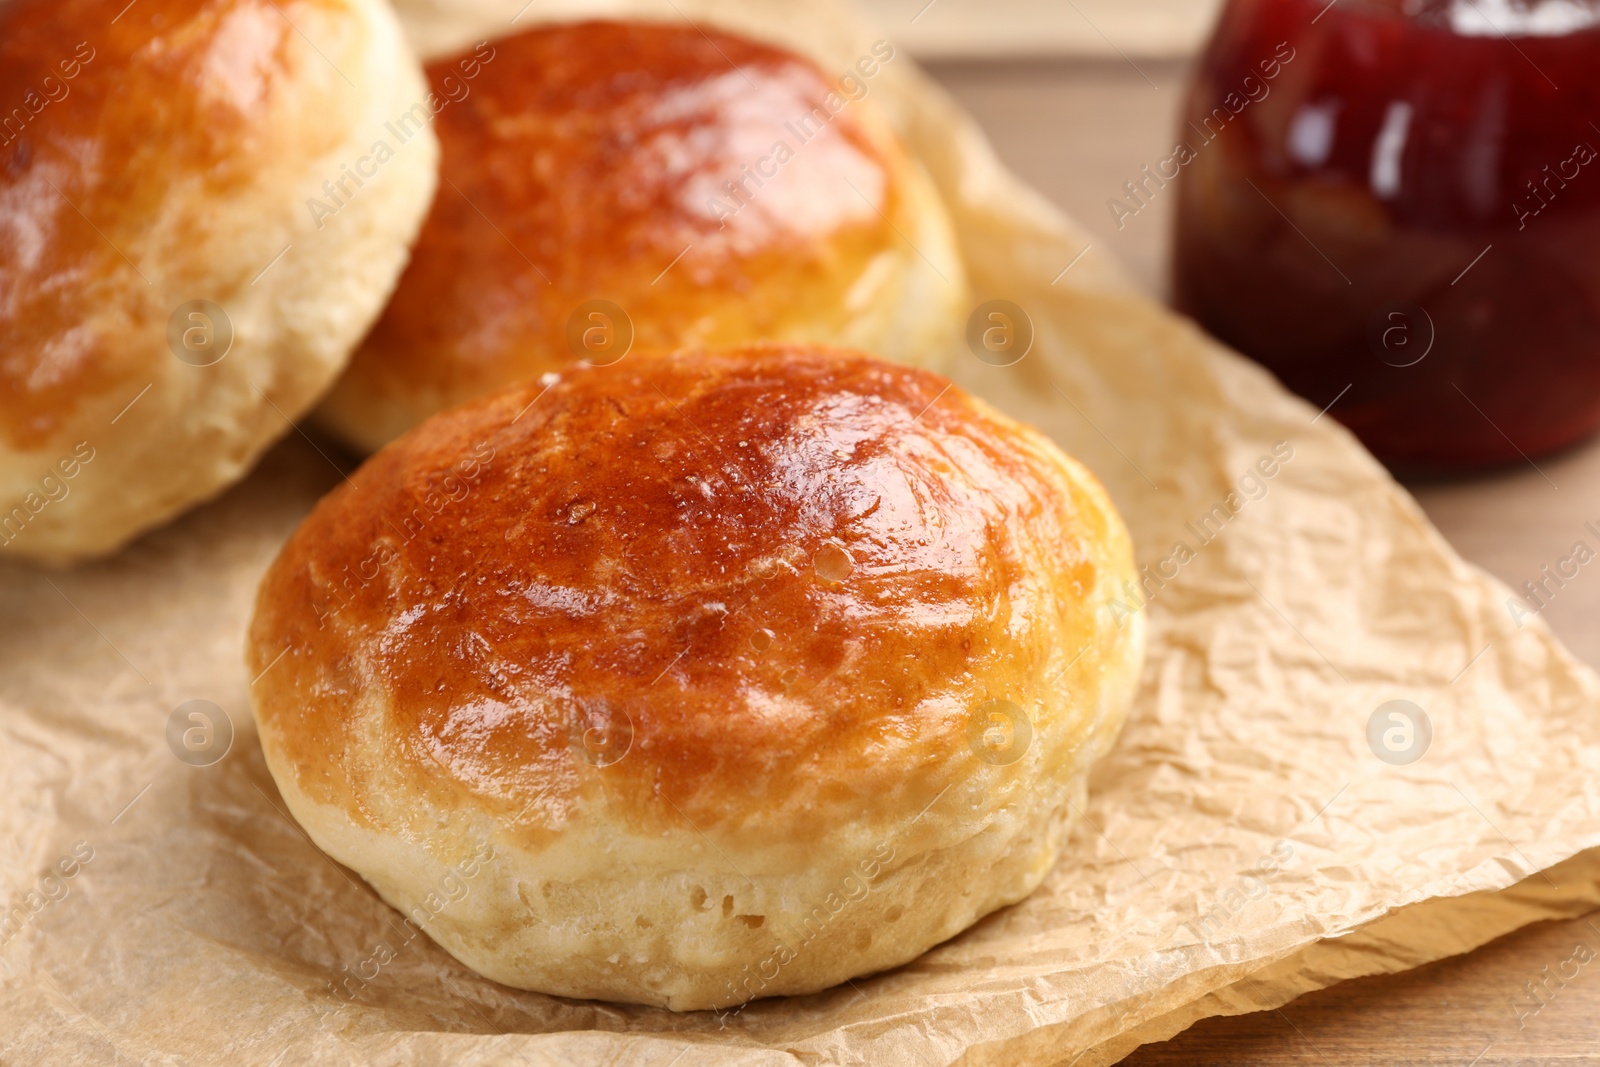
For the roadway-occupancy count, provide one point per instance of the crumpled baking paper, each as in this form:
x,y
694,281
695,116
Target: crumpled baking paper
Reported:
x,y
1256,833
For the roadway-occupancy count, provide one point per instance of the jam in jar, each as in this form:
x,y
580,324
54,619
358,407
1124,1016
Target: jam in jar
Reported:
x,y
1395,206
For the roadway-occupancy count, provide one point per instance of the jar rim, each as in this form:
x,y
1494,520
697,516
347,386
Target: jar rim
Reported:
x,y
1510,19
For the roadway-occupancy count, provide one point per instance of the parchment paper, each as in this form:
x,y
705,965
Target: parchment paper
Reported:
x,y
1243,843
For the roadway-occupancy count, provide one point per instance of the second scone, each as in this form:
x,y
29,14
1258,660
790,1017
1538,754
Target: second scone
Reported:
x,y
725,675
615,183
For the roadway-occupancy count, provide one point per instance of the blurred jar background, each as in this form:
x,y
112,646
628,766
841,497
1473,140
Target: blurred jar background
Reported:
x,y
1399,223
1406,218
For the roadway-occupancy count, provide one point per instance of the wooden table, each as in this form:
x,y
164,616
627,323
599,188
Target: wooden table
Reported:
x,y
1077,130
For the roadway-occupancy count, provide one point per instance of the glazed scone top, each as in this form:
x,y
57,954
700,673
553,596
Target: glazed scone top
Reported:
x,y
134,122
778,582
640,164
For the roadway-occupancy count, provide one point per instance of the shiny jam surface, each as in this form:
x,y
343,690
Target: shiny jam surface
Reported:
x,y
1395,206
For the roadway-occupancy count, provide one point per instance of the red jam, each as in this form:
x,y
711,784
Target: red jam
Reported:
x,y
1395,206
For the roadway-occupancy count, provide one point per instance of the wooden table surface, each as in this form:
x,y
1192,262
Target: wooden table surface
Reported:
x,y
1076,130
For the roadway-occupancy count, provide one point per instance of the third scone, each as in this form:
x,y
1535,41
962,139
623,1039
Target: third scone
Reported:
x,y
612,182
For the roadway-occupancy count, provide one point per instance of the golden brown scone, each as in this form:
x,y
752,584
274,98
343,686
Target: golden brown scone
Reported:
x,y
709,676
717,190
173,152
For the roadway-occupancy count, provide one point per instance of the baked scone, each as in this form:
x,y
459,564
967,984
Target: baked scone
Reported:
x,y
715,190
724,674
203,206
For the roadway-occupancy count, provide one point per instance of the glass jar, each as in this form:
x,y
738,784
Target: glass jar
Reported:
x,y
1395,206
